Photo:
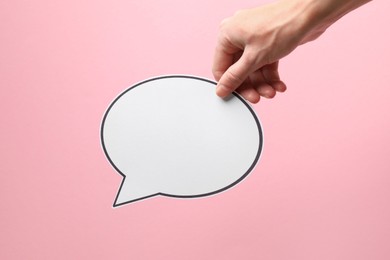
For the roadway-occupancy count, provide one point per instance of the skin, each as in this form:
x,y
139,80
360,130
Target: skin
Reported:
x,y
251,43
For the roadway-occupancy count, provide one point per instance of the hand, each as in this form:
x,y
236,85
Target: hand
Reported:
x,y
252,42
249,47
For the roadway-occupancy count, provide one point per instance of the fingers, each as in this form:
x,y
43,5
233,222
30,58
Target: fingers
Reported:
x,y
264,82
260,84
271,76
247,91
235,75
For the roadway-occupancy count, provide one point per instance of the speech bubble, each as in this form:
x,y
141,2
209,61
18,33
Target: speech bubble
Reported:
x,y
172,136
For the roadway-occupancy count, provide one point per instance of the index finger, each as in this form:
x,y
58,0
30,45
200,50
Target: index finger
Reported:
x,y
235,75
224,56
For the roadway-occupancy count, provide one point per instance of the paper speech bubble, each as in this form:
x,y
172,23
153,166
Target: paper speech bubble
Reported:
x,y
172,136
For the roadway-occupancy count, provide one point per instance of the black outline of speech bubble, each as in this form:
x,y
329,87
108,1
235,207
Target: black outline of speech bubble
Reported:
x,y
171,195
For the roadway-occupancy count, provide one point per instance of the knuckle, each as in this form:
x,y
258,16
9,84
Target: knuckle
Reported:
x,y
240,12
249,59
223,23
233,78
217,73
237,13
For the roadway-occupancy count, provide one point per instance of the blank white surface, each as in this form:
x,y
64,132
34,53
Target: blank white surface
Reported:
x,y
172,135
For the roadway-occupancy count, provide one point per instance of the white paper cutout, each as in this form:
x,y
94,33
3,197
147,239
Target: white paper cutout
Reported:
x,y
172,136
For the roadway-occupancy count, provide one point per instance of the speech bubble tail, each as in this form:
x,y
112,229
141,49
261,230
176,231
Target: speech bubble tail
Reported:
x,y
130,192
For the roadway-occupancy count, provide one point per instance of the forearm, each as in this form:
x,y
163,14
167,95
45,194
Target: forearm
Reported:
x,y
320,14
331,10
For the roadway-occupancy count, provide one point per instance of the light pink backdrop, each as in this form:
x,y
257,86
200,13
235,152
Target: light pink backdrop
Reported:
x,y
321,190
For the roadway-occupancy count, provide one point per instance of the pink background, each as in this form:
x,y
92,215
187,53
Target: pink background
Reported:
x,y
321,190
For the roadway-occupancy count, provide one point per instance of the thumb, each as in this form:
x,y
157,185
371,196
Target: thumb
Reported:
x,y
235,75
